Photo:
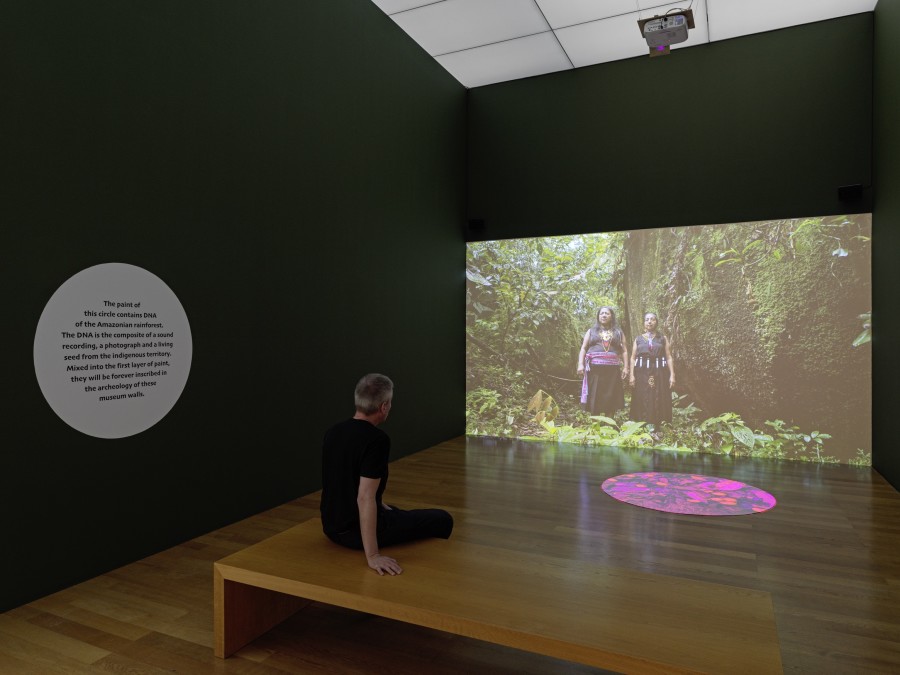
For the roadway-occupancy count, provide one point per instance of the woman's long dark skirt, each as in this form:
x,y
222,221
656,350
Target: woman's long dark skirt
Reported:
x,y
651,404
605,394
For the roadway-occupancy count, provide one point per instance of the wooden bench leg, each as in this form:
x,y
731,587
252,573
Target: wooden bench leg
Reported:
x,y
242,613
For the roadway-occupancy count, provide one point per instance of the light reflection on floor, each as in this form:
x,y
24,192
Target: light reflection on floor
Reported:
x,y
552,495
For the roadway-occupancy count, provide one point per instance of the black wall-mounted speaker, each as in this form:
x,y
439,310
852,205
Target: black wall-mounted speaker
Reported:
x,y
850,193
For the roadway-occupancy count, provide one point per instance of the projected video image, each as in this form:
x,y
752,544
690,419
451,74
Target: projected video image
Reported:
x,y
746,339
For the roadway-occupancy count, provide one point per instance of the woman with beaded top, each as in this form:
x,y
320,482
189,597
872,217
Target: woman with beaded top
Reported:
x,y
603,364
652,375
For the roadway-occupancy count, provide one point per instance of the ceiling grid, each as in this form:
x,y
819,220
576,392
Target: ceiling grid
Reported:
x,y
483,42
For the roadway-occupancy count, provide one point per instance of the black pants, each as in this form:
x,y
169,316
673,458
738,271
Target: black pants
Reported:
x,y
397,527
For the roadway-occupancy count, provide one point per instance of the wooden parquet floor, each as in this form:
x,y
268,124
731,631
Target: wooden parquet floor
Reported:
x,y
828,553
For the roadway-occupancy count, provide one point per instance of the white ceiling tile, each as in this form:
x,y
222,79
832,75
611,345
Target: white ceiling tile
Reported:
x,y
733,18
511,60
602,41
454,25
563,13
391,6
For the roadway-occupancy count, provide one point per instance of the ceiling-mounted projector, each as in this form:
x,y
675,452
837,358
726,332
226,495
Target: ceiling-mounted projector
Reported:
x,y
669,29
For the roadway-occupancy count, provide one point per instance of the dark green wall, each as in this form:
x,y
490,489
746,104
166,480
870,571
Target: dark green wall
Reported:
x,y
768,125
294,171
886,226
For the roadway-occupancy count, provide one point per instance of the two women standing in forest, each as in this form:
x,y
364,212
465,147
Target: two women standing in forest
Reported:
x,y
603,364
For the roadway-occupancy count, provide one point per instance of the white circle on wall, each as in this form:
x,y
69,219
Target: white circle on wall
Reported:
x,y
112,350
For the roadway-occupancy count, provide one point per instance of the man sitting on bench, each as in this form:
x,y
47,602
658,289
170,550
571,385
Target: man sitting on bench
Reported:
x,y
354,474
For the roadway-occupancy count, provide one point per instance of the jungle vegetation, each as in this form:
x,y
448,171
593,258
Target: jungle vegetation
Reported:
x,y
769,323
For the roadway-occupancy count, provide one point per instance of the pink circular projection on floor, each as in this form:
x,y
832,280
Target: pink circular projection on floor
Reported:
x,y
688,493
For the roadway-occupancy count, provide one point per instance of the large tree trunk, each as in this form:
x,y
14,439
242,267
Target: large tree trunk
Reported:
x,y
765,330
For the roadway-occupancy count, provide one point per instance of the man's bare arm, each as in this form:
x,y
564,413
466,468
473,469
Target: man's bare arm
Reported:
x,y
368,527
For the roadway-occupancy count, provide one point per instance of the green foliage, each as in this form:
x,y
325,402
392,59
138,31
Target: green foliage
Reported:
x,y
788,442
485,414
862,458
866,335
543,406
724,434
720,434
482,400
529,302
682,412
601,431
728,434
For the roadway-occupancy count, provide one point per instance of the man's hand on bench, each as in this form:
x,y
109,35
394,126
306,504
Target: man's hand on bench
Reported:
x,y
381,564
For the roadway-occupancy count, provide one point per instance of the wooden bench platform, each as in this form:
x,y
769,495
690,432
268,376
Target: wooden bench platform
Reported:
x,y
618,619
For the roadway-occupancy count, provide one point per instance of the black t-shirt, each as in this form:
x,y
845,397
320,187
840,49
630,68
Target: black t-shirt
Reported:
x,y
351,449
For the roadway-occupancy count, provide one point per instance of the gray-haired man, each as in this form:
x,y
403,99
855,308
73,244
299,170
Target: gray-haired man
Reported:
x,y
355,456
